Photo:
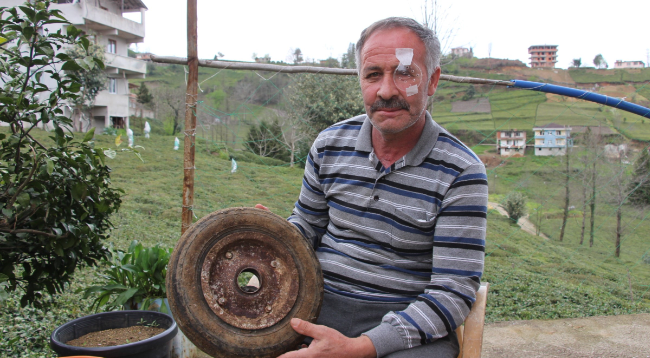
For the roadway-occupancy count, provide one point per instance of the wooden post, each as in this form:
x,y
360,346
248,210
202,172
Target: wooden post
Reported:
x,y
190,117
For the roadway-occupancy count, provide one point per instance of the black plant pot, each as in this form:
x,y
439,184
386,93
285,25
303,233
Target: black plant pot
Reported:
x,y
159,346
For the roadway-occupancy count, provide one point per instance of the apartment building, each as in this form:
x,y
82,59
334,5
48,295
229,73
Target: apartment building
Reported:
x,y
104,22
552,139
543,56
629,64
511,142
462,52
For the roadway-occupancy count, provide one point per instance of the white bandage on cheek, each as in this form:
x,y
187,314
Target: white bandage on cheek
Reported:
x,y
410,91
405,57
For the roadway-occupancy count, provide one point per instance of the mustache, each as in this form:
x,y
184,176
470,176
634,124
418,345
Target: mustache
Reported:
x,y
392,103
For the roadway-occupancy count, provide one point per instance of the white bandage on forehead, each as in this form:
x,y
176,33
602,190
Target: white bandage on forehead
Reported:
x,y
404,55
409,85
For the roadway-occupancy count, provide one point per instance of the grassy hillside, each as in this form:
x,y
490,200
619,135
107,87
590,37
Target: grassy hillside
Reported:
x,y
520,109
531,277
246,97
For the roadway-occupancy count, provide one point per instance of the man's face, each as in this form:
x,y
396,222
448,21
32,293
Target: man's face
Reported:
x,y
391,107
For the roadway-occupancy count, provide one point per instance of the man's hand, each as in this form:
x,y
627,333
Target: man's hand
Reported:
x,y
329,342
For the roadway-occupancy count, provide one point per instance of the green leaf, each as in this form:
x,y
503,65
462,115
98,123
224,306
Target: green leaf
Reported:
x,y
110,153
89,135
59,251
23,199
125,296
78,191
72,31
6,100
99,62
71,65
131,268
29,12
139,156
85,43
50,166
7,212
82,64
89,62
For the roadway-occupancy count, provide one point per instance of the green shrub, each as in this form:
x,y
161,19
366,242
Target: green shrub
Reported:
x,y
515,205
134,278
56,197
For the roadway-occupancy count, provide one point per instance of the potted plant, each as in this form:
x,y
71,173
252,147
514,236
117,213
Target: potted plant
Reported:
x,y
135,280
159,345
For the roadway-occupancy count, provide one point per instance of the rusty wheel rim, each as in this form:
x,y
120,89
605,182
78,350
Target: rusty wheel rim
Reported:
x,y
239,251
214,312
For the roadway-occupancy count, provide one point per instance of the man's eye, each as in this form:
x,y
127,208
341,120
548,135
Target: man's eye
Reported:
x,y
372,75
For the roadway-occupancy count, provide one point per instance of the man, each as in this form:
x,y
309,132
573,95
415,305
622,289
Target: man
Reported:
x,y
381,193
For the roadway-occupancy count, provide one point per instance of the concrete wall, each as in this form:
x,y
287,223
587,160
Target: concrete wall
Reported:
x,y
508,152
550,151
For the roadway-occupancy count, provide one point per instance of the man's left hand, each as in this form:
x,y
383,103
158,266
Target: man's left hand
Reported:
x,y
329,342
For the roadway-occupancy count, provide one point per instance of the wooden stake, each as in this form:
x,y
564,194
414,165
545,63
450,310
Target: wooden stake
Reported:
x,y
190,117
629,281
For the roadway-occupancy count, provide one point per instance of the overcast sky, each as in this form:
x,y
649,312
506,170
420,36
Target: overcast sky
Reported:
x,y
619,30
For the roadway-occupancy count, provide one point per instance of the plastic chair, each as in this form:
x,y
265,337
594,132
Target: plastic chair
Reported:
x,y
470,334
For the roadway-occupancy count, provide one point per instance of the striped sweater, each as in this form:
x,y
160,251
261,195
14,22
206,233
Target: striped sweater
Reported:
x,y
414,232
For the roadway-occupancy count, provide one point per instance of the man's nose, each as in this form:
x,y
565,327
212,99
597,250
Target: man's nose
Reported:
x,y
387,88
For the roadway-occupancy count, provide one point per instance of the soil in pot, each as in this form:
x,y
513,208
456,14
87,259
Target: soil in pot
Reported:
x,y
115,337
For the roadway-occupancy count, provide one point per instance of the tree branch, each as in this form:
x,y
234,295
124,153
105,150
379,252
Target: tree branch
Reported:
x,y
36,232
11,201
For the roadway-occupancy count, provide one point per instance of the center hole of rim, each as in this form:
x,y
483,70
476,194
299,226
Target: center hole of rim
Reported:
x,y
249,281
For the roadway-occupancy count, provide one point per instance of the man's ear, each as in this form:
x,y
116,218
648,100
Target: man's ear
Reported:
x,y
433,82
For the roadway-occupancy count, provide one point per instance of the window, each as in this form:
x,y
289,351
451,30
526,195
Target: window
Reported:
x,y
112,46
539,149
558,132
112,85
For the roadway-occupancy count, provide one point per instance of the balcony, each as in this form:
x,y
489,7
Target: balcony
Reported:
x,y
131,67
512,137
105,22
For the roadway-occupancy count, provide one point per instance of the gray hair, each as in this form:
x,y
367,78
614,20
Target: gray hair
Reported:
x,y
430,40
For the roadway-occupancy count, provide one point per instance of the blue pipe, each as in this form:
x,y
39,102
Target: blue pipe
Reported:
x,y
586,95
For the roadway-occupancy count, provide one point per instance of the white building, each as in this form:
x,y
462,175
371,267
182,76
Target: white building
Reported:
x,y
103,21
462,52
629,64
511,142
552,139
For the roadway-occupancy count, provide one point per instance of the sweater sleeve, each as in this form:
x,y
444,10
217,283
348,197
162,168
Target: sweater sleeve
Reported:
x,y
458,259
311,213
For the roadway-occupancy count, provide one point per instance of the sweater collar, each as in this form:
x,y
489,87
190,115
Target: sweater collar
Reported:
x,y
416,156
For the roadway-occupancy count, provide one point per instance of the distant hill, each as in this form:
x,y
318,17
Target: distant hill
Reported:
x,y
521,109
246,96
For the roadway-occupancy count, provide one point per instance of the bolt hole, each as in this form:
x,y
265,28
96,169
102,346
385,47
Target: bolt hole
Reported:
x,y
249,281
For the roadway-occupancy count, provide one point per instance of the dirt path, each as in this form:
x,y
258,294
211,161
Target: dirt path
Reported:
x,y
524,223
606,336
626,336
